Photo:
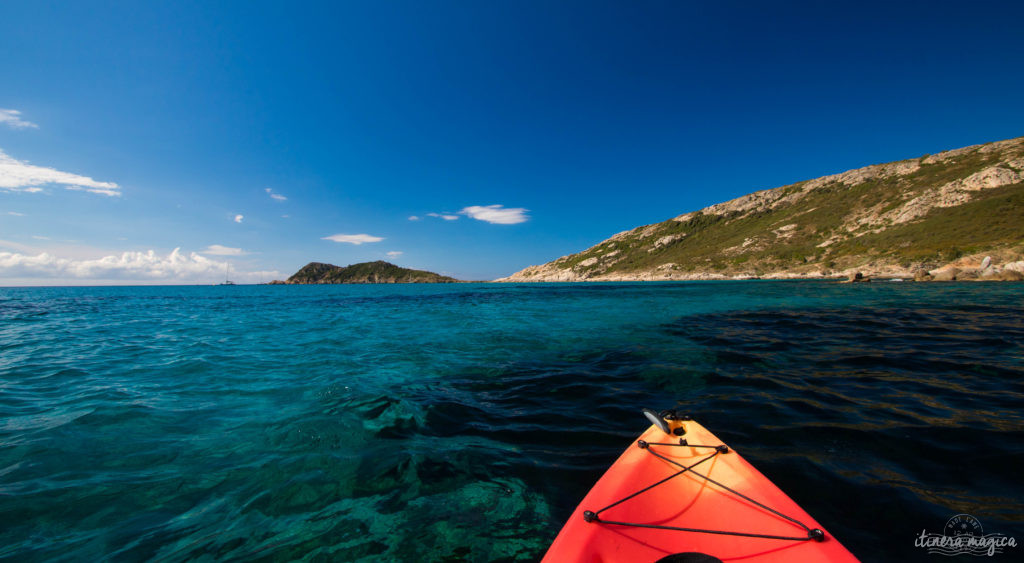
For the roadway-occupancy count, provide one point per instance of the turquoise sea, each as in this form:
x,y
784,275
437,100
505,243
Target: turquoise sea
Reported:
x,y
465,422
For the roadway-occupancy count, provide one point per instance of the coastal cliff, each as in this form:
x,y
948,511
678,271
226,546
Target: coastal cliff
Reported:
x,y
917,217
366,272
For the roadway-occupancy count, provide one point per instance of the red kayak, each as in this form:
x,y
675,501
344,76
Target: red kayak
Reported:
x,y
679,495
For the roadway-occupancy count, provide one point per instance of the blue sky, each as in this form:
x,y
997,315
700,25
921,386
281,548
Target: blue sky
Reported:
x,y
129,130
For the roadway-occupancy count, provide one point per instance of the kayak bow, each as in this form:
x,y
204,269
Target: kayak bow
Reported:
x,y
680,495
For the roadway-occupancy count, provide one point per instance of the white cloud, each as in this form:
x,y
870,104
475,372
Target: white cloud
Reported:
x,y
497,214
414,218
395,253
15,213
354,239
12,118
218,250
238,218
277,197
286,216
128,266
445,216
40,237
16,175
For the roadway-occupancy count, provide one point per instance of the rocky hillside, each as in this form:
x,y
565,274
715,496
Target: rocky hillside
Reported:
x,y
922,214
366,272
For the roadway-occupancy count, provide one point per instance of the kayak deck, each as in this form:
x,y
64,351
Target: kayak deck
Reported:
x,y
637,509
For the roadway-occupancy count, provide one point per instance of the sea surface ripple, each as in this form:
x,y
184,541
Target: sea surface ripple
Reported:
x,y
466,421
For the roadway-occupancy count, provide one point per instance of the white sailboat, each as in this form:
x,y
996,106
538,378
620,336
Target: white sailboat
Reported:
x,y
227,269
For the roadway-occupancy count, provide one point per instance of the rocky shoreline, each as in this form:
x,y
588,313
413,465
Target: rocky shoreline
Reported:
x,y
1005,266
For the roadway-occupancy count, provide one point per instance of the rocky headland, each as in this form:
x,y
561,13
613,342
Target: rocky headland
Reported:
x,y
956,215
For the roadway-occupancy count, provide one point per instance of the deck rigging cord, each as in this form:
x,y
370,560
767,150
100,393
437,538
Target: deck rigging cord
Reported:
x,y
592,517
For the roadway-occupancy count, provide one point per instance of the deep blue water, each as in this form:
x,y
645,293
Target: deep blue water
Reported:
x,y
465,422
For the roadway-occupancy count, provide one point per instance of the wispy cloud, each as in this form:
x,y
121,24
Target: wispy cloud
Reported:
x,y
10,244
20,176
414,218
40,237
12,118
218,250
354,239
277,197
445,216
15,213
395,253
497,214
239,217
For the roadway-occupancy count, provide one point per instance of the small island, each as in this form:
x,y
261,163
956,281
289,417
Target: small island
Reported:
x,y
365,272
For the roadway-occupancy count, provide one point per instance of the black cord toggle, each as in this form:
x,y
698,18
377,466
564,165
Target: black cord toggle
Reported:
x,y
723,449
590,516
816,535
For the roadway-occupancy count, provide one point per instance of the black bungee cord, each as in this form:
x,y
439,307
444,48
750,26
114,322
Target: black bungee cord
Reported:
x,y
594,517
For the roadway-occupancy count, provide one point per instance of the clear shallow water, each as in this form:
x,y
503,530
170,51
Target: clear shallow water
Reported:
x,y
465,422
